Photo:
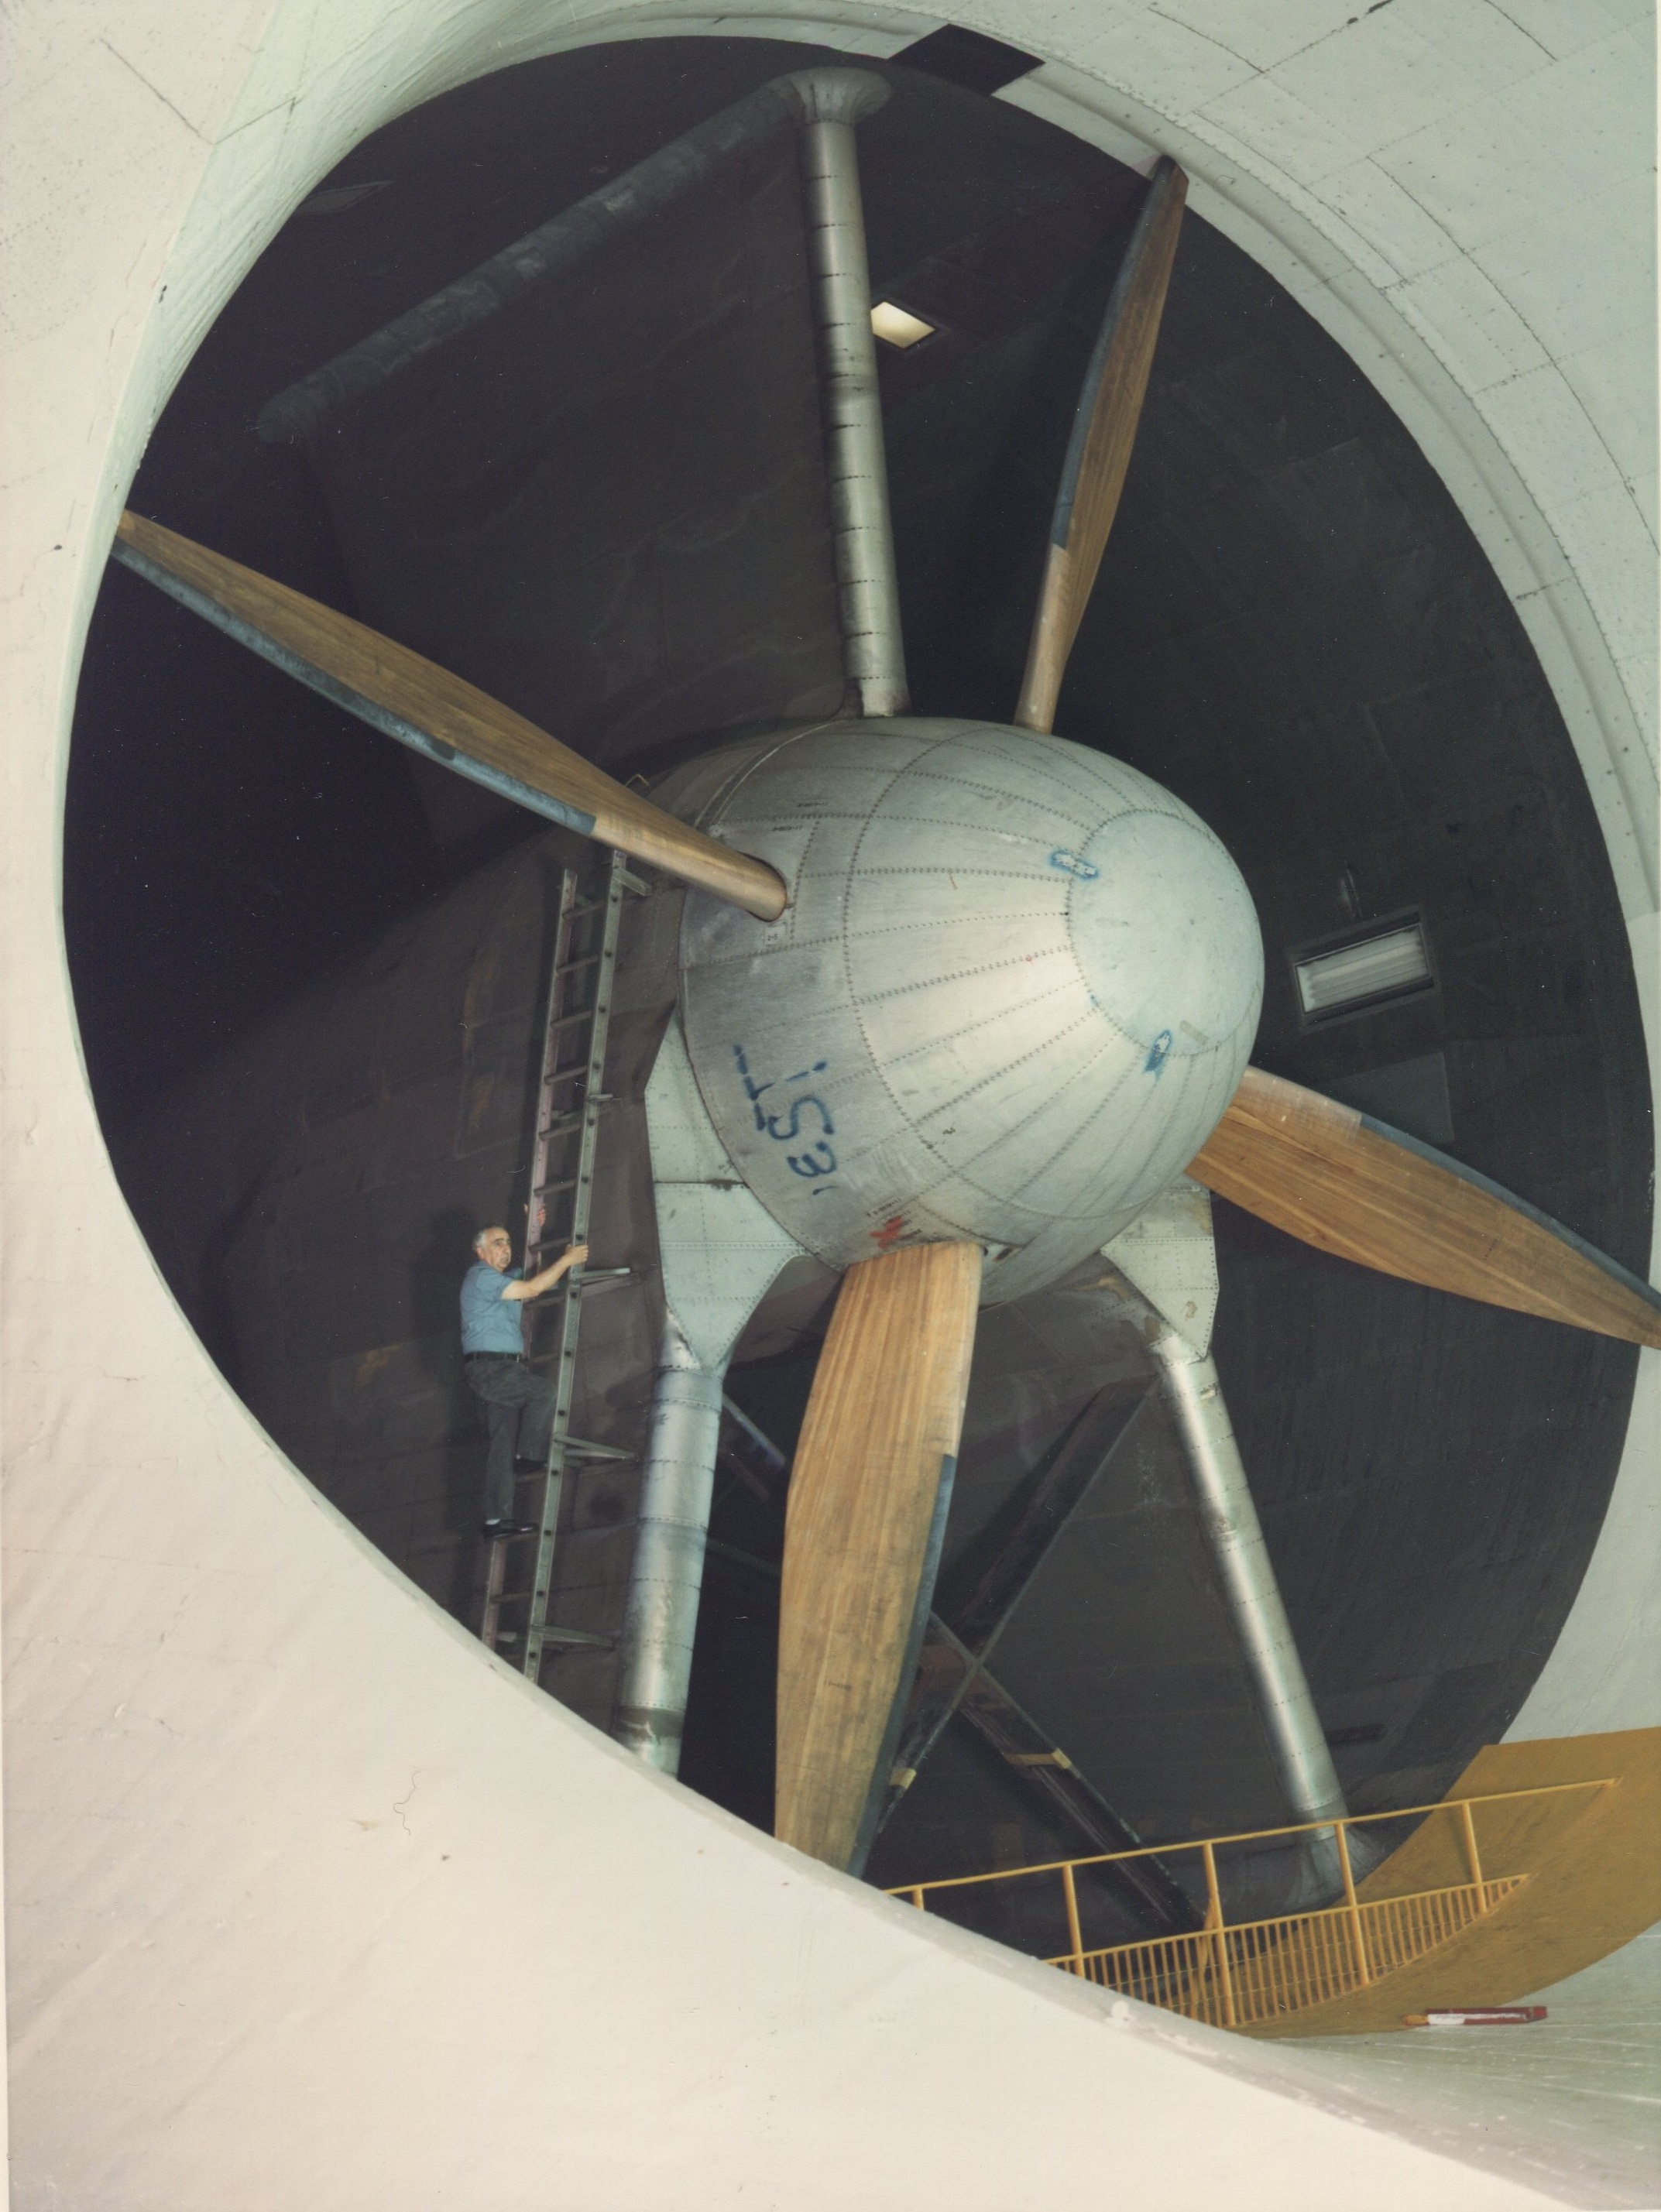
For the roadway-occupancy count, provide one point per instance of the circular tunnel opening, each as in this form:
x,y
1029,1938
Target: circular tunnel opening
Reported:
x,y
310,970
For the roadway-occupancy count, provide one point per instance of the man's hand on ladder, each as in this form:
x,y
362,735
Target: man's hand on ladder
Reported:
x,y
572,1256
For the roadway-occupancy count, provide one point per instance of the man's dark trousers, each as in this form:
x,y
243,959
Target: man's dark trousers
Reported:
x,y
519,1409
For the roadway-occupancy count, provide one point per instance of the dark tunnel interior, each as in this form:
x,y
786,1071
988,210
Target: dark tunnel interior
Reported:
x,y
308,968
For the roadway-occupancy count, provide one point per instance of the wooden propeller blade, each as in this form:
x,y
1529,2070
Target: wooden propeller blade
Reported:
x,y
1104,432
1347,1184
437,714
868,1493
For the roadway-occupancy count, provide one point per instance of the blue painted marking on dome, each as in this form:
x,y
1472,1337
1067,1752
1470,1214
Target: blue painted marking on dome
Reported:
x,y
1071,865
1158,1052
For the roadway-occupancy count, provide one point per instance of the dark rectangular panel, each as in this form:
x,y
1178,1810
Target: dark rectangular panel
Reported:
x,y
969,59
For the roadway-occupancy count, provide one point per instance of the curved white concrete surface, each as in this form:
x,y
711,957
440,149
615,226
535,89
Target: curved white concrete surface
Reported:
x,y
311,1904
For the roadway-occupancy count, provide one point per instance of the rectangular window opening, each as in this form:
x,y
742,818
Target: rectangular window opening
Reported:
x,y
1389,962
898,326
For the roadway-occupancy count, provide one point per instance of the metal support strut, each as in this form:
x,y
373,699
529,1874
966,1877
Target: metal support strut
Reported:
x,y
1299,1746
576,236
833,101
667,1580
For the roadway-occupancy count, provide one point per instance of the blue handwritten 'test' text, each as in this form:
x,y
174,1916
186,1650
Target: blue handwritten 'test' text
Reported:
x,y
819,1159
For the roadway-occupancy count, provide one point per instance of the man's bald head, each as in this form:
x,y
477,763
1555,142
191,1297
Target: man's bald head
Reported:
x,y
495,1246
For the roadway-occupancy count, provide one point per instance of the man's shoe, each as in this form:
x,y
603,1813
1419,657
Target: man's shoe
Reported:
x,y
494,1530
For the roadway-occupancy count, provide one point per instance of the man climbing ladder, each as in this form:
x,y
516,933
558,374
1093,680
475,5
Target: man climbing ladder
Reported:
x,y
519,1403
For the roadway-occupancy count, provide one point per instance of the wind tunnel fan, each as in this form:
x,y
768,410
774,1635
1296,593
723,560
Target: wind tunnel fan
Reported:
x,y
959,1006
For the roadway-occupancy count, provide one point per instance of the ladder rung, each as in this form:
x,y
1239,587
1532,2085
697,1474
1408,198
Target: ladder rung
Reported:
x,y
574,1117
557,1635
606,1278
564,1021
571,967
579,1448
547,1190
581,1278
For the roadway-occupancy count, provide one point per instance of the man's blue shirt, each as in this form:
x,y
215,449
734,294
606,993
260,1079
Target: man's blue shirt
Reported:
x,y
490,1323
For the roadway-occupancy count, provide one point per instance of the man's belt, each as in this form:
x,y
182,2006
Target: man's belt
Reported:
x,y
518,1358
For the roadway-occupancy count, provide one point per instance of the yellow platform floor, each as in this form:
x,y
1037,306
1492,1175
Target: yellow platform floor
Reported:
x,y
1593,1864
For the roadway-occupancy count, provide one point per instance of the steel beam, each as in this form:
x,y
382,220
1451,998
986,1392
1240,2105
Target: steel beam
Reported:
x,y
621,204
1194,1395
834,100
667,1579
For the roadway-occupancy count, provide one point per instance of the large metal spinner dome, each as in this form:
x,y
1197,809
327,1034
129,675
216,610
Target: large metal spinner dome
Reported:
x,y
1014,989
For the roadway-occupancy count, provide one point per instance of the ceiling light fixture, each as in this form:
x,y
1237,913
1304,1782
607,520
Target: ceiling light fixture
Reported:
x,y
1390,961
898,326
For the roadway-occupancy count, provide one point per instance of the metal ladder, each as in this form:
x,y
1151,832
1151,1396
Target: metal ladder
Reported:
x,y
569,1097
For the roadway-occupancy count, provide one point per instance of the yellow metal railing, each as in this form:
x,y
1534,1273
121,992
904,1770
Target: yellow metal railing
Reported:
x,y
1234,1974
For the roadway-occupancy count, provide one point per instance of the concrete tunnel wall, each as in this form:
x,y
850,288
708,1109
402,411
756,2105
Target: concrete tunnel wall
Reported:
x,y
312,1902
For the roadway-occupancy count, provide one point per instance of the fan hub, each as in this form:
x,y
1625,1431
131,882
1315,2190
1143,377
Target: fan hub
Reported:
x,y
1015,987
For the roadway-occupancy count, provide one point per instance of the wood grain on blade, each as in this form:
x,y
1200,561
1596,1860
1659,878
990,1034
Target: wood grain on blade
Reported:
x,y
1104,432
882,1430
1348,1185
423,705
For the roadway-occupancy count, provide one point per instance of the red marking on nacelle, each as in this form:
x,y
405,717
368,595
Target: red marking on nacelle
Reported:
x,y
890,1232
